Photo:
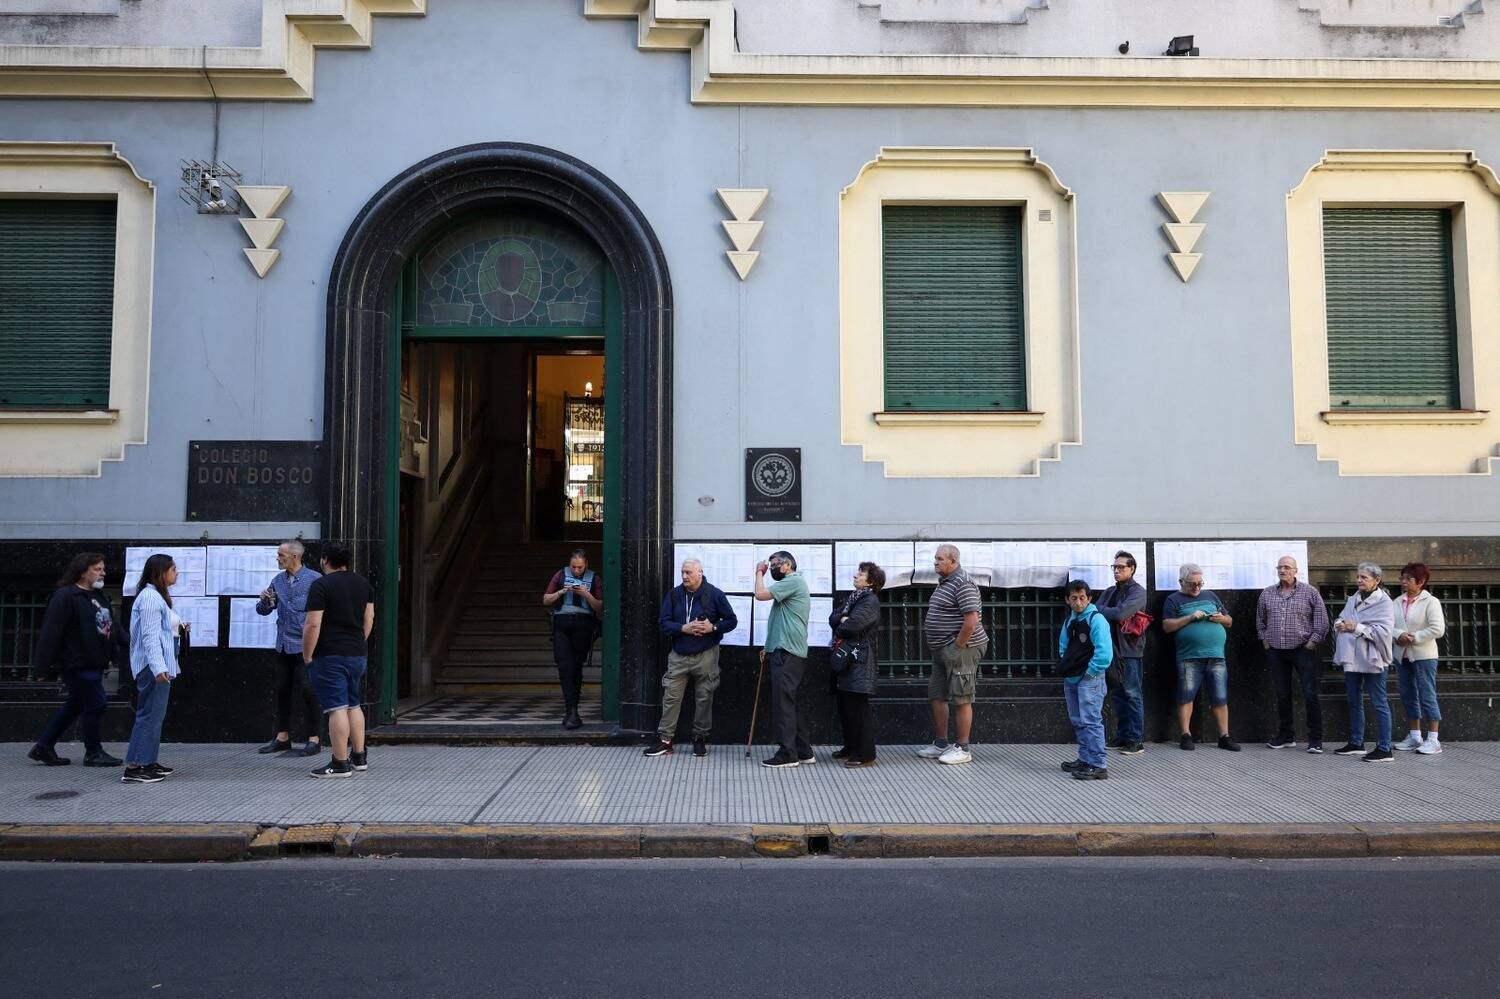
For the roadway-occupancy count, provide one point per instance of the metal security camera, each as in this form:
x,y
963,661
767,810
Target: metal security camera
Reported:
x,y
213,187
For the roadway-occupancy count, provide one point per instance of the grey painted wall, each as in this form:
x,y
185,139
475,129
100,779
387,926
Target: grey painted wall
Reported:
x,y
1187,392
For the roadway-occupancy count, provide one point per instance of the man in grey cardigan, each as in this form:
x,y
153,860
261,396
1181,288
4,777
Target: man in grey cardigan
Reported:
x,y
1119,604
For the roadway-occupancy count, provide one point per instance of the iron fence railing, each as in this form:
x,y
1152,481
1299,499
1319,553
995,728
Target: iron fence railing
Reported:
x,y
20,622
1472,612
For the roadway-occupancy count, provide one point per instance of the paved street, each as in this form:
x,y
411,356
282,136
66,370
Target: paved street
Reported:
x,y
615,784
812,928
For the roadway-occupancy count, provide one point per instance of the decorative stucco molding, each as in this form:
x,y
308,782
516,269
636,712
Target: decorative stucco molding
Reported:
x,y
1400,442
281,67
743,230
77,442
722,75
954,445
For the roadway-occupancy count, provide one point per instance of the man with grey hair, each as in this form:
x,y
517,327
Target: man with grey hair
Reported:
x,y
694,617
1291,621
957,641
1201,623
287,597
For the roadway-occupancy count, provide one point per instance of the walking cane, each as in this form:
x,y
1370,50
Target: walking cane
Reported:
x,y
751,737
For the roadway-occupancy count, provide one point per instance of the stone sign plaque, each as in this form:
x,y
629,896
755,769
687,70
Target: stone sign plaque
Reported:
x,y
773,483
255,480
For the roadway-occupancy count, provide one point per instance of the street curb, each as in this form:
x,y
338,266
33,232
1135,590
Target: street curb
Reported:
x,y
207,841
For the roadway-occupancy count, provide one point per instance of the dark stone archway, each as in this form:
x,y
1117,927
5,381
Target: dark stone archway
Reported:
x,y
360,383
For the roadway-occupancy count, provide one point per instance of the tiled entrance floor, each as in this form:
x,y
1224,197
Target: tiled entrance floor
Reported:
x,y
522,708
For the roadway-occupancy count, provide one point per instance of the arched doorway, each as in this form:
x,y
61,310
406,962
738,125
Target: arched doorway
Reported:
x,y
363,388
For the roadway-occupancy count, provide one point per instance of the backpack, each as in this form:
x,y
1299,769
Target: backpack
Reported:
x,y
1075,661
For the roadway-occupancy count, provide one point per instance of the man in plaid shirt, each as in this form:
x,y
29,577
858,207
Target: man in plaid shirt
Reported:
x,y
1291,621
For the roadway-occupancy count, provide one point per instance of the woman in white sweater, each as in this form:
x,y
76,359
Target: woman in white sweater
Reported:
x,y
1419,624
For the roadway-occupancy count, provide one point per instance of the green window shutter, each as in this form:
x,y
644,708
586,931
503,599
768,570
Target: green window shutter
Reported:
x,y
1392,330
57,290
955,336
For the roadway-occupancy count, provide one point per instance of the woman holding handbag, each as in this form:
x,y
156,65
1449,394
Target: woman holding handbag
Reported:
x,y
854,625
154,631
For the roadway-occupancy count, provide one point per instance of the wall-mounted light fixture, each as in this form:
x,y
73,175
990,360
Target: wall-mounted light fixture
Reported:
x,y
1182,45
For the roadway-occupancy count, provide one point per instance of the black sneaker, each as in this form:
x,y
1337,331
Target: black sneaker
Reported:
x,y
1087,771
140,775
1379,756
1315,748
101,759
700,747
334,768
571,719
660,747
48,757
157,768
841,754
780,760
808,761
311,749
359,761
1133,749
1071,765
1227,743
1186,742
1351,749
274,746
1117,743
1282,743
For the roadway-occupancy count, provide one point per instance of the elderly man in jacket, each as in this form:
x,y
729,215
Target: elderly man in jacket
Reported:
x,y
695,617
1085,651
1119,604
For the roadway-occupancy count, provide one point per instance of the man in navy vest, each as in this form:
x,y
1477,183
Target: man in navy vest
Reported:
x,y
576,601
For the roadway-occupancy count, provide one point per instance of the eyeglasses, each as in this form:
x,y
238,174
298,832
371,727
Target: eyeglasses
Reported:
x,y
1121,568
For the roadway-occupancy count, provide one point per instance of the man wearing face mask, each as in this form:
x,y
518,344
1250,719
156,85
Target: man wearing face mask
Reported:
x,y
785,650
79,639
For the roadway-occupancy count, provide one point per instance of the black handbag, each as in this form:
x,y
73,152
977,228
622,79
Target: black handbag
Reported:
x,y
846,655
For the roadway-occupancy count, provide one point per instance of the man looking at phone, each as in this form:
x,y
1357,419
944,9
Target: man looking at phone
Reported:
x,y
576,600
287,598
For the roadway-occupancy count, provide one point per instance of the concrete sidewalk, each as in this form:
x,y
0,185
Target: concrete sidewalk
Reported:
x,y
1184,802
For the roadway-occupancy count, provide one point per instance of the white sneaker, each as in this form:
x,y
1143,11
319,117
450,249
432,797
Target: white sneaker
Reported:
x,y
954,755
1412,741
1430,748
932,752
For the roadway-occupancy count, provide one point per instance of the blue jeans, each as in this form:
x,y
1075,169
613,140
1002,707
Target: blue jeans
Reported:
x,y
1194,673
86,700
1130,712
1086,711
1417,681
1356,685
150,709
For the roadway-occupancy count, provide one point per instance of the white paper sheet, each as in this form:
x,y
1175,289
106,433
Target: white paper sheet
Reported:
x,y
815,562
1255,562
240,569
761,613
202,615
730,567
897,558
819,635
1227,565
247,629
976,557
191,569
742,611
1093,561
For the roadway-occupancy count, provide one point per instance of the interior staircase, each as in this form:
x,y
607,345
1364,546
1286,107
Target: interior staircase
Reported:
x,y
504,637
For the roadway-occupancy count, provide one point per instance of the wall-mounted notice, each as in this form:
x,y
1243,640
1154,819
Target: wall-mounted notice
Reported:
x,y
896,558
201,614
815,562
237,569
1227,565
191,569
1093,561
247,629
761,613
976,557
743,612
729,567
819,635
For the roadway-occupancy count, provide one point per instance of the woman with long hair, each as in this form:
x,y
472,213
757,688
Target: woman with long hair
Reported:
x,y
854,625
154,628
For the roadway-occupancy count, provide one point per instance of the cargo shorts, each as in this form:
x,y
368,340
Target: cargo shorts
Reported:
x,y
954,673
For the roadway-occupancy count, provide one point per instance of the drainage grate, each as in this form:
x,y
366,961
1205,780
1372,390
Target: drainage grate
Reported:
x,y
54,795
311,849
817,846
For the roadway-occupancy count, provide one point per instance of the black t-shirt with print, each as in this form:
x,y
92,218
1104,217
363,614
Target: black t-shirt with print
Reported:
x,y
342,597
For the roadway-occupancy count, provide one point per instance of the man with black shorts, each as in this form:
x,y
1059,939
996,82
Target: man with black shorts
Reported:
x,y
340,614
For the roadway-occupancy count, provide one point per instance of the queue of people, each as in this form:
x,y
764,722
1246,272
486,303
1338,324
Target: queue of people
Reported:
x,y
324,621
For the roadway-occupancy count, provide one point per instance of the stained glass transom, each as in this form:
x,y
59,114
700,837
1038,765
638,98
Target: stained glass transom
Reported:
x,y
511,272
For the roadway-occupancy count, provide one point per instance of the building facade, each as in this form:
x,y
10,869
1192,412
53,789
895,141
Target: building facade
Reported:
x,y
994,272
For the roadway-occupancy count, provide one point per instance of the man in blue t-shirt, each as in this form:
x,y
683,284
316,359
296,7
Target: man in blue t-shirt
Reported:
x,y
1201,623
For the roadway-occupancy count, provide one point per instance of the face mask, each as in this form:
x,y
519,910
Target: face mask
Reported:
x,y
98,584
777,573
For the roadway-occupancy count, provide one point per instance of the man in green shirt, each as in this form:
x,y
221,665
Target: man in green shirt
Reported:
x,y
786,652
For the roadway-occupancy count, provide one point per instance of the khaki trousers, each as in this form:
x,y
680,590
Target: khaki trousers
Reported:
x,y
703,668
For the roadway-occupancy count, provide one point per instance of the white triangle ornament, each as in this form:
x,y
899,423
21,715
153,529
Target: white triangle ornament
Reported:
x,y
263,200
262,232
743,234
742,260
261,260
1183,206
1183,263
1184,235
743,202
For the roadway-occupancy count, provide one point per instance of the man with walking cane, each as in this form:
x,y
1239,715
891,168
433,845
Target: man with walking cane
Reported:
x,y
785,651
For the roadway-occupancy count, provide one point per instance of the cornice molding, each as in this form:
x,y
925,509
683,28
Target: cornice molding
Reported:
x,y
280,68
722,75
